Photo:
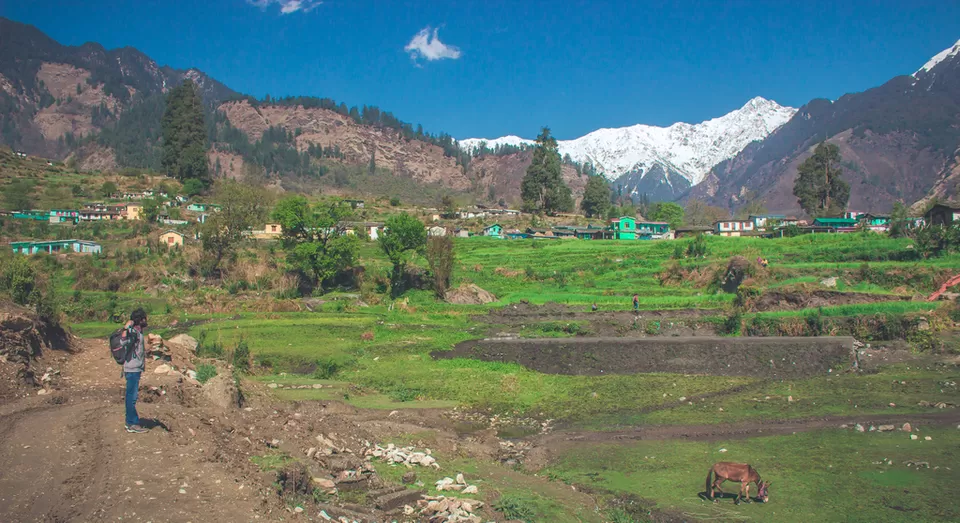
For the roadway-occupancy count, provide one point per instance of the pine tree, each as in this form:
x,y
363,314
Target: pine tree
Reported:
x,y
819,188
372,168
185,135
596,197
542,189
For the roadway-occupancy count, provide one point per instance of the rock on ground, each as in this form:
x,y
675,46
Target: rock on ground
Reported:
x,y
221,391
470,294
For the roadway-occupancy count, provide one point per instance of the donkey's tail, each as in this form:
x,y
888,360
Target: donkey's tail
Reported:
x,y
708,487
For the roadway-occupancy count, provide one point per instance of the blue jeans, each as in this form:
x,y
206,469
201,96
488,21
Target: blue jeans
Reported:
x,y
133,386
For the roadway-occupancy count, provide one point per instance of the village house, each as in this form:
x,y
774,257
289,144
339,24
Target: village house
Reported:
x,y
853,215
354,204
946,214
462,233
875,222
647,230
203,207
95,215
270,231
840,225
624,228
40,216
56,246
131,211
733,228
371,229
493,231
64,216
172,239
762,220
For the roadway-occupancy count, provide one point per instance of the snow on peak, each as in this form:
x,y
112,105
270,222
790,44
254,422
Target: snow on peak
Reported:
x,y
939,57
689,149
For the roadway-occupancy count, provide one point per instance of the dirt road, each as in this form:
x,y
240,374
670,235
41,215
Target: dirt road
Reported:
x,y
65,456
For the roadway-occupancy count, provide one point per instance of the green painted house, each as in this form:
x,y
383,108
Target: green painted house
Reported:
x,y
624,228
837,224
40,216
493,231
203,207
652,230
56,246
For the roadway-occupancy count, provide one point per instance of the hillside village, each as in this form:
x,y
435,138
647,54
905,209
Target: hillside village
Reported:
x,y
180,214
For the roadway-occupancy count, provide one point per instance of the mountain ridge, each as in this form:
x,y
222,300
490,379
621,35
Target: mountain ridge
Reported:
x,y
605,147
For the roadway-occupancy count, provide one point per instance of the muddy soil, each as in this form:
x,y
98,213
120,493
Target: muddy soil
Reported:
x,y
794,300
776,357
511,319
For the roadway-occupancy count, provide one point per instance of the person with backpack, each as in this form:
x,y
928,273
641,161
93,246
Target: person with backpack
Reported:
x,y
131,353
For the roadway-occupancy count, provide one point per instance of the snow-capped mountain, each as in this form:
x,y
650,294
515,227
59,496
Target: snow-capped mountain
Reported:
x,y
939,57
659,160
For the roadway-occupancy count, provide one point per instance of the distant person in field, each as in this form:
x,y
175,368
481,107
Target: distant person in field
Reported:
x,y
133,366
636,302
594,308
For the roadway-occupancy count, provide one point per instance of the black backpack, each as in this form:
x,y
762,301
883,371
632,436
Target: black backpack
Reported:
x,y
119,347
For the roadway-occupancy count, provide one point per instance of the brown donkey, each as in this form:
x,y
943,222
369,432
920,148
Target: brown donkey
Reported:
x,y
745,474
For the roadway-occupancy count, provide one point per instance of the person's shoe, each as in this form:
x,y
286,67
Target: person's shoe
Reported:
x,y
136,429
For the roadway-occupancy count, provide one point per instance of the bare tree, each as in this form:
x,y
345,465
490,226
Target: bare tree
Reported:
x,y
440,257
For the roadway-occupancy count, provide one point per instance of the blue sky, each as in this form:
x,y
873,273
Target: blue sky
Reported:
x,y
510,67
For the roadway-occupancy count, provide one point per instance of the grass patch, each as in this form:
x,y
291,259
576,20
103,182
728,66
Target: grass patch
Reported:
x,y
273,460
836,468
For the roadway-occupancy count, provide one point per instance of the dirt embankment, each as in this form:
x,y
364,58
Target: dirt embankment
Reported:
x,y
28,345
780,357
795,300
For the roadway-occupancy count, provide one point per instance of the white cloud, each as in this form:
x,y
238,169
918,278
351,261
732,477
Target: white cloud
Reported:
x,y
426,44
288,6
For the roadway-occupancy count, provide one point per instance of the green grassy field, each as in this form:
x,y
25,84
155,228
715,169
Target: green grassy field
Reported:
x,y
830,475
378,357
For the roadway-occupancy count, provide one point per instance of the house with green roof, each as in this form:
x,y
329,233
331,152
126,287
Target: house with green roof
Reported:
x,y
493,231
835,224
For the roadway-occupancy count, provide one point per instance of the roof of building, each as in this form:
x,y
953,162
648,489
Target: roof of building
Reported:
x,y
948,204
837,221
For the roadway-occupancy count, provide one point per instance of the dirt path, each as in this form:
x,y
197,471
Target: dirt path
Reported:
x,y
66,457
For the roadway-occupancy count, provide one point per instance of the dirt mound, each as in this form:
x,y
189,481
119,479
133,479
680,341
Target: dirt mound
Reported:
x,y
779,300
24,340
776,357
470,295
221,390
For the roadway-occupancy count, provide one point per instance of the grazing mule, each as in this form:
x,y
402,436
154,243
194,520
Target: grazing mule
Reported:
x,y
745,474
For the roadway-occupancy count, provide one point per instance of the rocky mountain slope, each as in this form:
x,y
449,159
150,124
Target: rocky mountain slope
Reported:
x,y
664,162
51,94
899,142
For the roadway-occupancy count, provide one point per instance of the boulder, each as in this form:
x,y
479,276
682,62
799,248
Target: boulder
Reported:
x,y
829,282
324,483
409,478
470,294
886,428
221,391
162,369
907,427
185,340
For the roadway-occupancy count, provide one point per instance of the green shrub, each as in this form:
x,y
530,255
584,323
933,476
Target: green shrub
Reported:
x,y
208,349
513,507
241,356
205,371
326,369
